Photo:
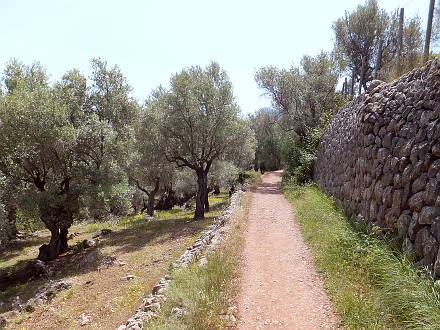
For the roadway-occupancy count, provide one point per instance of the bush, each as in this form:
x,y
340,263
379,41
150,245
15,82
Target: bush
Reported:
x,y
106,200
299,154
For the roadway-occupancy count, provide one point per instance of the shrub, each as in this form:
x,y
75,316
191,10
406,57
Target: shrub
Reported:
x,y
299,155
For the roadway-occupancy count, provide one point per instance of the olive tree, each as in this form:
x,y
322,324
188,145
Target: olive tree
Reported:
x,y
368,39
61,141
223,174
265,123
200,122
146,166
301,94
8,210
108,98
38,147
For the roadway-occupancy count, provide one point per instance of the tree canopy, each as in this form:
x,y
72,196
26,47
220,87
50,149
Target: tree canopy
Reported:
x,y
301,95
367,39
200,122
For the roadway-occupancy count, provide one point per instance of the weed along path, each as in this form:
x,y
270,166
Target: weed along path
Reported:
x,y
280,287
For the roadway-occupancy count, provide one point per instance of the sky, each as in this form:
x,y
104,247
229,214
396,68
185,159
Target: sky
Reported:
x,y
151,40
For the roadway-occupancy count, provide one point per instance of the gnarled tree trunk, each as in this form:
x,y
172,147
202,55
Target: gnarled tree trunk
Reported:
x,y
57,220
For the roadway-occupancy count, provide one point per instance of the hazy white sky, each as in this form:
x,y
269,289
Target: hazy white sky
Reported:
x,y
150,40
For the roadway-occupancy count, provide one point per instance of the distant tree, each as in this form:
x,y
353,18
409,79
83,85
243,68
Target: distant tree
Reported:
x,y
368,39
301,95
200,122
269,137
223,174
8,210
183,185
109,102
147,167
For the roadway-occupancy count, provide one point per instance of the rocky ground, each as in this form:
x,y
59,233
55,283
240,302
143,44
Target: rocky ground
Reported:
x,y
102,280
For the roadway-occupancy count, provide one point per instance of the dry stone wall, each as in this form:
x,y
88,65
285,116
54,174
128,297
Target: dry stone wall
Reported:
x,y
380,157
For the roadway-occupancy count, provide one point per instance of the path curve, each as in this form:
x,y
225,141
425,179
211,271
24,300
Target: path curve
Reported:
x,y
280,286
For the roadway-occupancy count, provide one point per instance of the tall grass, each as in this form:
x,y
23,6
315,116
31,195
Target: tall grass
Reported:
x,y
205,293
201,293
372,285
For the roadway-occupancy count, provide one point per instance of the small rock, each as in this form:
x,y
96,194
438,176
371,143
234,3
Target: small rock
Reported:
x,y
177,311
232,310
16,304
102,232
38,269
89,258
108,260
152,307
374,84
87,243
122,263
130,277
85,319
3,321
203,262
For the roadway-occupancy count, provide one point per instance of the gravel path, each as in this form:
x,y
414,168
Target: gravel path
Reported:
x,y
280,286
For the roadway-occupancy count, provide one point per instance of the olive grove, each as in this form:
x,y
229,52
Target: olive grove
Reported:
x,y
85,149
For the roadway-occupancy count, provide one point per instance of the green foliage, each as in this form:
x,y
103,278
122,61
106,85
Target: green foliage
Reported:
x,y
372,285
367,41
223,174
62,142
27,223
299,153
301,95
303,99
199,122
269,138
299,156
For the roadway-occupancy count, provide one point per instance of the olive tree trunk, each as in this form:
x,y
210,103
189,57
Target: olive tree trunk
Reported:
x,y
8,229
206,199
201,195
57,220
149,205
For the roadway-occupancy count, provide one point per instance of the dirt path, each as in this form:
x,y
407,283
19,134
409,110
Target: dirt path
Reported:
x,y
280,286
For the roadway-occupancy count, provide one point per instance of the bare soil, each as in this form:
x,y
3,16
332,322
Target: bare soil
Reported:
x,y
280,287
105,294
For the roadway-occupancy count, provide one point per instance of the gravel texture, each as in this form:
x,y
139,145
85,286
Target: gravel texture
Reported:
x,y
280,286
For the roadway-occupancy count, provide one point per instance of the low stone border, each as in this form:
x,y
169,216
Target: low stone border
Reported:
x,y
208,240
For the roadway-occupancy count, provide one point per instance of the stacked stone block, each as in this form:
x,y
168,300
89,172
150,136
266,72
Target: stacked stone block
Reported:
x,y
380,157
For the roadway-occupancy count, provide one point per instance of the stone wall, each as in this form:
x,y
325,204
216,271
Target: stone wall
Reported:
x,y
380,157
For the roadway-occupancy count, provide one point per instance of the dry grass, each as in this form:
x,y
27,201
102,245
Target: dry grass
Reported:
x,y
205,293
104,293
